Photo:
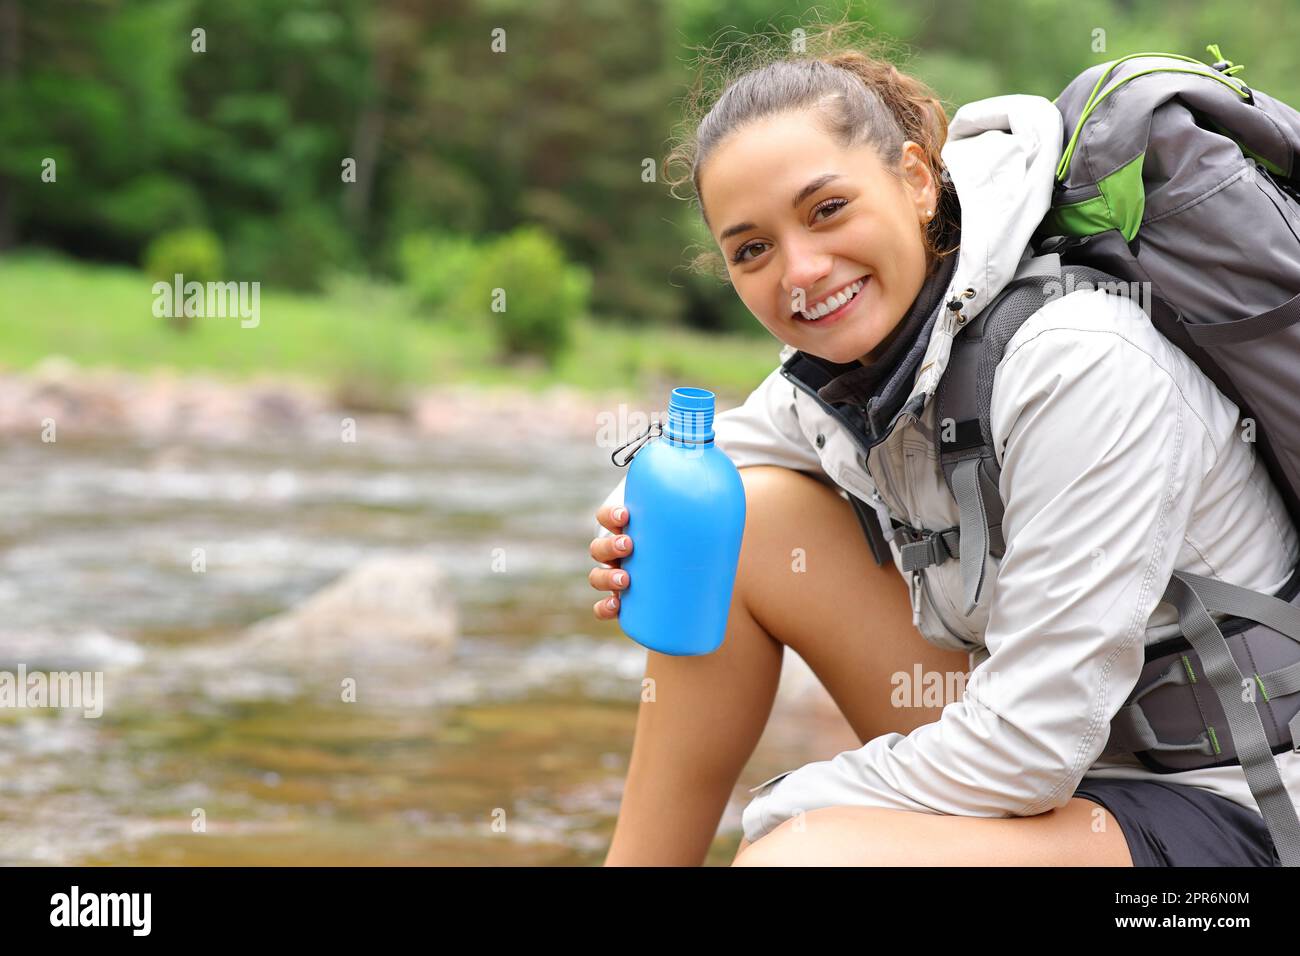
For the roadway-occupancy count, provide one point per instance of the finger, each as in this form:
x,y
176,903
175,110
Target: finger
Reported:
x,y
612,517
606,609
611,548
603,579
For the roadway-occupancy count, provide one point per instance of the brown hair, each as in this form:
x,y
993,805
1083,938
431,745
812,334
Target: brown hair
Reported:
x,y
854,92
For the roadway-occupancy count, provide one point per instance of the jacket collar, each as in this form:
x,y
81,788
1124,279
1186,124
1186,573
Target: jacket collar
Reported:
x,y
880,388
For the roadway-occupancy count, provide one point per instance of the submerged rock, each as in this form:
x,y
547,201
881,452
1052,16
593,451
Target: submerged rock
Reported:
x,y
394,602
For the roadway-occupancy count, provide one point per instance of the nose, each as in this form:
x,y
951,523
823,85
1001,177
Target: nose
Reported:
x,y
805,268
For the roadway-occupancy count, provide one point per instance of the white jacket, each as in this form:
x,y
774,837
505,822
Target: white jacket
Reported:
x,y
1121,462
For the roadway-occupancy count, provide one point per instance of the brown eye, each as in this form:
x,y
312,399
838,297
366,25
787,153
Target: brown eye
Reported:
x,y
832,204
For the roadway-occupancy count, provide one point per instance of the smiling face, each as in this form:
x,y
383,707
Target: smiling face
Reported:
x,y
800,218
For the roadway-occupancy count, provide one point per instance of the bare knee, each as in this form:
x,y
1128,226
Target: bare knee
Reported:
x,y
773,482
803,551
782,504
808,578
783,509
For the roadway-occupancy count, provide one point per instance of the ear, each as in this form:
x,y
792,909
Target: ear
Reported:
x,y
923,191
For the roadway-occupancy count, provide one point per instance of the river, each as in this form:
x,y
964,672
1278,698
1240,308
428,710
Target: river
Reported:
x,y
510,750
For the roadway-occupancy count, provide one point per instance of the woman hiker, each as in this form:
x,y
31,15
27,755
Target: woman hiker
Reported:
x,y
858,226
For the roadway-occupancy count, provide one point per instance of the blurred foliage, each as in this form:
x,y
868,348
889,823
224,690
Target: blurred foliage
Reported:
x,y
358,337
436,265
547,294
298,248
251,138
193,253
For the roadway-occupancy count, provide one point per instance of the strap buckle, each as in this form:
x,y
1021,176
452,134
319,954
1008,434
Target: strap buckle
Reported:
x,y
927,547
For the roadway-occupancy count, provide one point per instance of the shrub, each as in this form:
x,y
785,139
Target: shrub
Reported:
x,y
542,293
193,253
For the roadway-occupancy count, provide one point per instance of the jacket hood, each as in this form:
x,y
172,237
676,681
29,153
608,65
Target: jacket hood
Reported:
x,y
1002,154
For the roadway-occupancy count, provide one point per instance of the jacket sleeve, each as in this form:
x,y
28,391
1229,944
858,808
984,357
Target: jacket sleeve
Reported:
x,y
1103,459
764,430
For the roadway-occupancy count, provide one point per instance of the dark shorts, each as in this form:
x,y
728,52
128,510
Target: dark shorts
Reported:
x,y
1169,824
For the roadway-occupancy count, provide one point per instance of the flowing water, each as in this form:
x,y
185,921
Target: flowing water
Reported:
x,y
511,749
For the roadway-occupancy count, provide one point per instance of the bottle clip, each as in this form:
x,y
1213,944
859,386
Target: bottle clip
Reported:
x,y
640,441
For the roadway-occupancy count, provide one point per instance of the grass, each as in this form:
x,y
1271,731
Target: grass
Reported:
x,y
363,340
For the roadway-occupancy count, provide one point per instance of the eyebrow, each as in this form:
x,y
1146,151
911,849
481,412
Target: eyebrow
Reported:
x,y
799,197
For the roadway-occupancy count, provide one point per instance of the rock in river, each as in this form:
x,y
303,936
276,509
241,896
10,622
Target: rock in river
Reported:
x,y
390,603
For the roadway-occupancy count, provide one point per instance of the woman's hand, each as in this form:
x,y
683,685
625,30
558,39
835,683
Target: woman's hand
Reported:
x,y
610,550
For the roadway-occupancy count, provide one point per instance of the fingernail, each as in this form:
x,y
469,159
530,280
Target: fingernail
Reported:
x,y
619,514
611,603
620,579
621,544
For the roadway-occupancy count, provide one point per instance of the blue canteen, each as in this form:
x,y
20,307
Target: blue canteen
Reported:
x,y
686,518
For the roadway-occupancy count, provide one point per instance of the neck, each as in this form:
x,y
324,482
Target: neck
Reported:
x,y
910,320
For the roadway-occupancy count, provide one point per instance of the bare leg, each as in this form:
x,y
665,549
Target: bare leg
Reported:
x,y
692,742
847,617
1080,833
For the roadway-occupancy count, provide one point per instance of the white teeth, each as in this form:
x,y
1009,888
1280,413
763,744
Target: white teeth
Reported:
x,y
831,303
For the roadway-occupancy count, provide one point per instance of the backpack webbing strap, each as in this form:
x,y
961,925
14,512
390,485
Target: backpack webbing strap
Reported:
x,y
1193,596
979,507
1131,731
1283,681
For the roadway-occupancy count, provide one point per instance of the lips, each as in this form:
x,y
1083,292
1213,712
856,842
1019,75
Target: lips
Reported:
x,y
837,312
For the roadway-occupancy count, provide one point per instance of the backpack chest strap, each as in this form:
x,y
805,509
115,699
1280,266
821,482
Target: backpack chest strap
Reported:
x,y
922,548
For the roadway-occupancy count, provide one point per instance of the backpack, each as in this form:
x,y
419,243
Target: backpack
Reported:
x,y
1165,157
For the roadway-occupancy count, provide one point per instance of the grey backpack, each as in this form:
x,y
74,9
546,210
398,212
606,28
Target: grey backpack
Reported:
x,y
1178,175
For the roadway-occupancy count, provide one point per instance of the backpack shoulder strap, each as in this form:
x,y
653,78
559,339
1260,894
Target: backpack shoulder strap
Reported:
x,y
1162,727
963,438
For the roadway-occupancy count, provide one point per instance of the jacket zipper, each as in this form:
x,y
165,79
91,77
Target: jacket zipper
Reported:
x,y
914,593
